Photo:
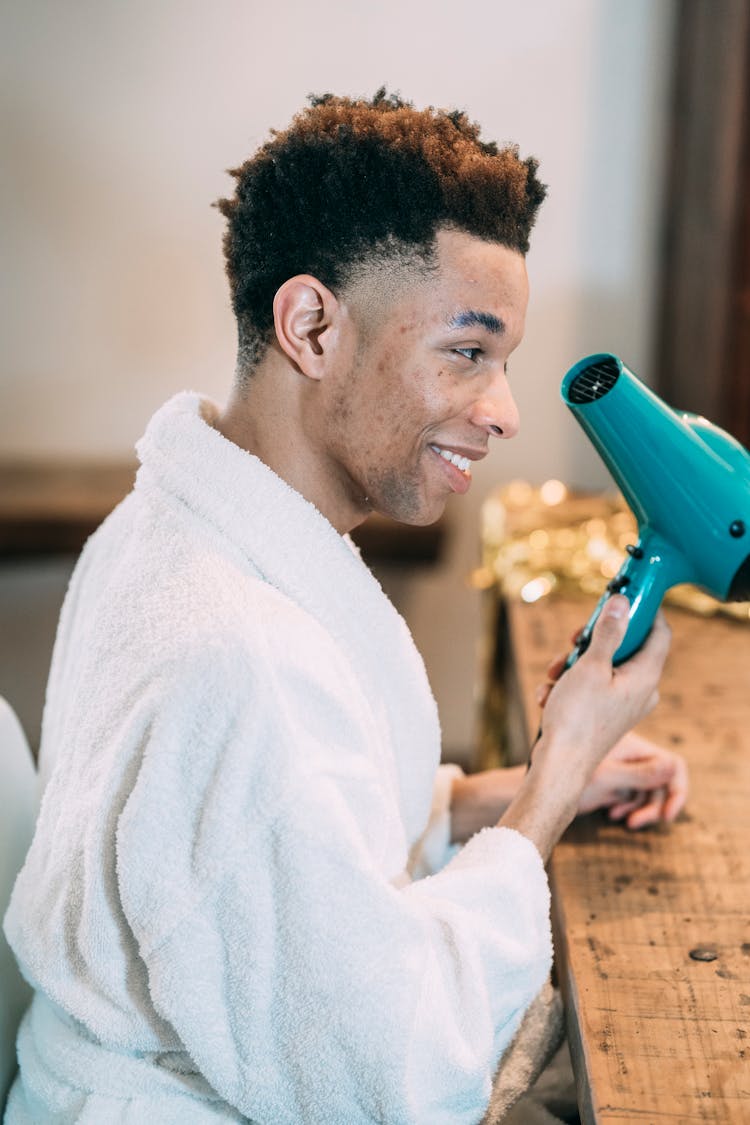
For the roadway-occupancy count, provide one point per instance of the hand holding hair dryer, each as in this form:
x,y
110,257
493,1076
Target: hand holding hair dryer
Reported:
x,y
687,482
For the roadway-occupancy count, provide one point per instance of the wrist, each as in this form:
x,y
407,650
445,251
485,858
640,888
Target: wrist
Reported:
x,y
562,764
546,803
557,784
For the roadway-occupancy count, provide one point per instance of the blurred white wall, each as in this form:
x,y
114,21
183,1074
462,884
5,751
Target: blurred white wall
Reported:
x,y
119,119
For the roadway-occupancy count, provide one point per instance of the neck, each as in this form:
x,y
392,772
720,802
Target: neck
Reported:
x,y
270,418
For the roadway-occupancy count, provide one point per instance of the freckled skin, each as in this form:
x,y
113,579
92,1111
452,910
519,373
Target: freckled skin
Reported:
x,y
407,387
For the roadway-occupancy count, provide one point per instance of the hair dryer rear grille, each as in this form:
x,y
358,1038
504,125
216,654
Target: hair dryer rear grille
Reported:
x,y
594,381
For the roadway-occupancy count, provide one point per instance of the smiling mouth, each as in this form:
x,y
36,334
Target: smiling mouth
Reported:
x,y
463,464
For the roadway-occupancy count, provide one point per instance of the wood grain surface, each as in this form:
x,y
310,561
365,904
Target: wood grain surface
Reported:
x,y
657,1036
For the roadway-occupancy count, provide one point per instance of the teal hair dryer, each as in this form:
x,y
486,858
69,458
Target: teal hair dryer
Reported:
x,y
687,482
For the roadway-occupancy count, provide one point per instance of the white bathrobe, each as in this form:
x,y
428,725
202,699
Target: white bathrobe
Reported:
x,y
219,911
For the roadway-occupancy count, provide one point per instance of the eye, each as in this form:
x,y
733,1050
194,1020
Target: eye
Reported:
x,y
469,353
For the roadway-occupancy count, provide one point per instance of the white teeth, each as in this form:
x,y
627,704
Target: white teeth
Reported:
x,y
456,459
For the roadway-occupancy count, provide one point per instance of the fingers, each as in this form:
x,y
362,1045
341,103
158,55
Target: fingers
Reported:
x,y
610,627
645,783
557,667
674,805
636,776
650,812
677,790
613,618
664,803
554,671
644,809
542,693
626,805
587,710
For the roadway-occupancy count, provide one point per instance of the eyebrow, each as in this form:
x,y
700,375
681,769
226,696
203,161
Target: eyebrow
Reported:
x,y
473,316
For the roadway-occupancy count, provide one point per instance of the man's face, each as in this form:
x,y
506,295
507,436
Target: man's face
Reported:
x,y
426,381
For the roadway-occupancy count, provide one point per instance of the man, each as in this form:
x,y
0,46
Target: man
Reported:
x,y
219,910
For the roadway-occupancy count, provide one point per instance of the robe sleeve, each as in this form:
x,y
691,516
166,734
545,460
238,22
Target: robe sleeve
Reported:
x,y
305,985
433,849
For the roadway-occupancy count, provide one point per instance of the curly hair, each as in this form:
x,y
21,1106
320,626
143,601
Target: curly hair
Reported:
x,y
353,182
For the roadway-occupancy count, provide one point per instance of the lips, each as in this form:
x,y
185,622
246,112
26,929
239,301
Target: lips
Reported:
x,y
458,453
458,478
462,463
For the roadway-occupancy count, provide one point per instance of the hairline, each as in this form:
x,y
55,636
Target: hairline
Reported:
x,y
393,256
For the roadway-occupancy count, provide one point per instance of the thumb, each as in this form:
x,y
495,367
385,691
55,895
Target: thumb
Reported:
x,y
610,627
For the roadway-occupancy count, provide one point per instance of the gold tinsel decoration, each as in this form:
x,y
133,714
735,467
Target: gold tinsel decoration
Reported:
x,y
536,541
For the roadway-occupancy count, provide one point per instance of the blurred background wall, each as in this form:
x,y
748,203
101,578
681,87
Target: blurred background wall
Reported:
x,y
118,122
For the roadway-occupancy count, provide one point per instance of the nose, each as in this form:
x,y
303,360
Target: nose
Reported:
x,y
495,409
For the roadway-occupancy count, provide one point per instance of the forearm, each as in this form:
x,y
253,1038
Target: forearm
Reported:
x,y
479,800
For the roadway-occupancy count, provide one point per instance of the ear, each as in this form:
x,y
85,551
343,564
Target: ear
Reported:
x,y
306,316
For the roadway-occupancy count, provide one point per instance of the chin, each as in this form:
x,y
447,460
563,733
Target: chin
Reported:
x,y
422,516
424,519
406,500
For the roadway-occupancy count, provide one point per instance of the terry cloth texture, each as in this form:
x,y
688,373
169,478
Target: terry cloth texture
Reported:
x,y
219,911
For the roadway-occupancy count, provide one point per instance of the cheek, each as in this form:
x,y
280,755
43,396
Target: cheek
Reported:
x,y
415,400
434,392
407,394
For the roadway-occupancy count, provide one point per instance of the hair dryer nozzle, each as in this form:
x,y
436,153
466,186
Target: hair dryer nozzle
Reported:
x,y
591,379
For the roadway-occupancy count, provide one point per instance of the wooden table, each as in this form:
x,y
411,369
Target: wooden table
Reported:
x,y
656,1036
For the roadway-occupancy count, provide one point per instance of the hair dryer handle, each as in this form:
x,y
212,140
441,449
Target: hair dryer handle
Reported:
x,y
652,568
